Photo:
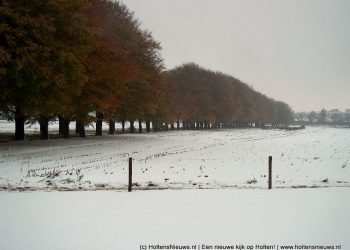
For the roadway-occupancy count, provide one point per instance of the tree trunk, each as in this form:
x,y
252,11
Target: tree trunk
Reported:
x,y
148,126
123,126
193,126
19,125
132,127
99,120
177,125
111,127
80,127
77,125
172,126
155,126
140,126
60,125
44,128
65,128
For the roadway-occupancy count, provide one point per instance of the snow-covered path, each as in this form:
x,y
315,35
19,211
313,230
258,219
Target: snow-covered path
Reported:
x,y
124,221
312,157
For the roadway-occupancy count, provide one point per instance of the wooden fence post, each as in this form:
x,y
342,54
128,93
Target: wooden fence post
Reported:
x,y
130,174
270,172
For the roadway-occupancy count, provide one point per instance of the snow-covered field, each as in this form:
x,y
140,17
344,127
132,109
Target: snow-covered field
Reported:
x,y
314,157
124,221
220,177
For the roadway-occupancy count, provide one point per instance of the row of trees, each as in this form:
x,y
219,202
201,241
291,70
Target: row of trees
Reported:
x,y
333,116
205,98
68,58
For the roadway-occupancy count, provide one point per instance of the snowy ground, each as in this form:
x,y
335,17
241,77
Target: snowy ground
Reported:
x,y
314,157
124,221
221,197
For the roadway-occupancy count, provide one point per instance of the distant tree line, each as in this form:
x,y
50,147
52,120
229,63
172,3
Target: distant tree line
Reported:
x,y
64,59
201,98
324,117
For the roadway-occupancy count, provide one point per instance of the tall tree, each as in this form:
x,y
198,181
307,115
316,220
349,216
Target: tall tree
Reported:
x,y
347,115
123,67
312,116
322,117
43,45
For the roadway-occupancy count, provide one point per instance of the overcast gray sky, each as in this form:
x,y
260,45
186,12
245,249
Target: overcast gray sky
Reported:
x,y
297,51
